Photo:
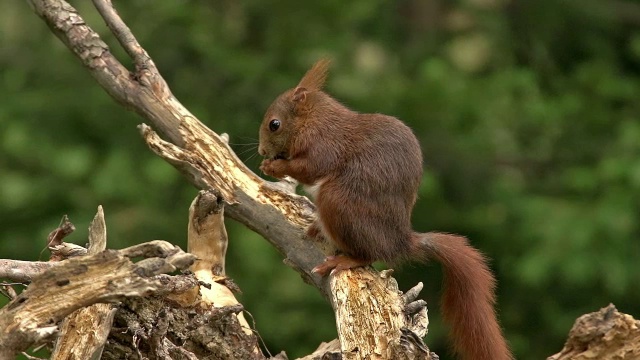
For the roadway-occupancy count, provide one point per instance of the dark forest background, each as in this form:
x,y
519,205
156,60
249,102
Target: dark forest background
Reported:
x,y
528,113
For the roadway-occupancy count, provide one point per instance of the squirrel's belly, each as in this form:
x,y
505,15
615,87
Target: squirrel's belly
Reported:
x,y
312,190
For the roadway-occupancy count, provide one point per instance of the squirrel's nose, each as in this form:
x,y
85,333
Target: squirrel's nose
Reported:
x,y
261,150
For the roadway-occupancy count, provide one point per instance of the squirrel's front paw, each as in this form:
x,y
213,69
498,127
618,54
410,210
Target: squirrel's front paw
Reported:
x,y
272,167
265,166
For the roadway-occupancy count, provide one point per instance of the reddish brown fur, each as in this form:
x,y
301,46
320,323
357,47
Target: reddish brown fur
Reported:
x,y
314,78
368,168
467,303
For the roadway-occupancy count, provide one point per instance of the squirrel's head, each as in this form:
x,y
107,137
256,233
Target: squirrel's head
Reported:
x,y
288,112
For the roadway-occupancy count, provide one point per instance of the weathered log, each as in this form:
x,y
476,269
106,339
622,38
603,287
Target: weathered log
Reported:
x,y
108,276
604,335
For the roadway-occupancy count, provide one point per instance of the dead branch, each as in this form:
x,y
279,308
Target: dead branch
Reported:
x,y
59,249
108,276
83,333
379,312
22,271
66,227
207,240
206,159
326,351
194,149
604,335
205,320
155,326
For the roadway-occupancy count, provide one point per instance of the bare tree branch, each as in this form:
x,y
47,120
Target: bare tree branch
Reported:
x,y
59,249
194,149
22,271
83,333
206,159
104,277
66,227
126,39
207,240
143,92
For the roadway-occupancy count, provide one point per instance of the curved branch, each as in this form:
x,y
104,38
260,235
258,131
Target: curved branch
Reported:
x,y
145,91
200,153
206,159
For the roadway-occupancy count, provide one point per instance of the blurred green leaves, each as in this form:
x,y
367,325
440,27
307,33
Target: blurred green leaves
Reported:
x,y
528,114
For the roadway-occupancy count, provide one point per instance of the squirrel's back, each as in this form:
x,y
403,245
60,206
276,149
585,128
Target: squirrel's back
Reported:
x,y
366,203
387,156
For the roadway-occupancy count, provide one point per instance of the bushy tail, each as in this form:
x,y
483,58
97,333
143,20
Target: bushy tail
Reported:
x,y
468,299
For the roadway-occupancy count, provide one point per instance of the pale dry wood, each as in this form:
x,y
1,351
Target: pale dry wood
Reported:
x,y
603,335
22,271
416,311
78,282
66,250
83,333
366,321
370,316
207,236
97,233
201,154
207,241
325,351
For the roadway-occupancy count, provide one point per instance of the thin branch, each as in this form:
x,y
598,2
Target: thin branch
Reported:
x,y
7,290
142,92
22,271
122,32
58,248
63,230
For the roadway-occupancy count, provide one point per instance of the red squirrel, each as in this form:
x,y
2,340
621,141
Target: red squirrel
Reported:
x,y
366,169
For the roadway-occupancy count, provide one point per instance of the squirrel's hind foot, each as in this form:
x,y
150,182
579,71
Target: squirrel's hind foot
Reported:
x,y
338,263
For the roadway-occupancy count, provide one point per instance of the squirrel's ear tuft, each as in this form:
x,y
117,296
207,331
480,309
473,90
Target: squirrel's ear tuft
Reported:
x,y
314,78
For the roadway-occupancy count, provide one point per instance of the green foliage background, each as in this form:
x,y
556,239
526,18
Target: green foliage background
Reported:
x,y
528,114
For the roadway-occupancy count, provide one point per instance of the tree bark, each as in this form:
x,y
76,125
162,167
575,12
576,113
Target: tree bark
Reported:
x,y
604,335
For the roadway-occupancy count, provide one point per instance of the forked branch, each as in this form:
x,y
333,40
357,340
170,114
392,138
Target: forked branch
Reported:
x,y
206,159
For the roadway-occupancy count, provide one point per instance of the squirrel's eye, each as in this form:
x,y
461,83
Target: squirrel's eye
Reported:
x,y
274,124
